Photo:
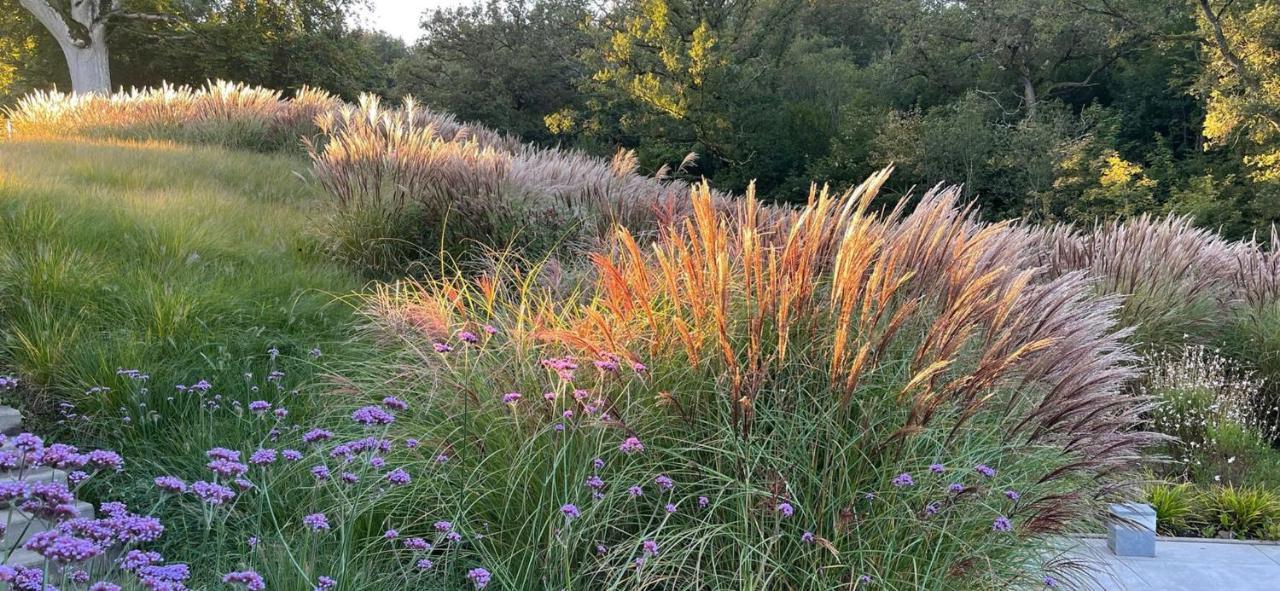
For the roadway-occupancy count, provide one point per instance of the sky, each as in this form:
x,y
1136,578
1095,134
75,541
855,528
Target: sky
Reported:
x,y
400,18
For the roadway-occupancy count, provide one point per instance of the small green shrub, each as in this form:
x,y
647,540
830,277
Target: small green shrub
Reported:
x,y
1175,506
1245,512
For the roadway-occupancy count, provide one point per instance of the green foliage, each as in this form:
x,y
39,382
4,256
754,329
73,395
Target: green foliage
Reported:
x,y
1175,506
1245,512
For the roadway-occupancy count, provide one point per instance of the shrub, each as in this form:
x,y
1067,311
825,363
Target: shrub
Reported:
x,y
1175,506
802,400
1207,403
1244,512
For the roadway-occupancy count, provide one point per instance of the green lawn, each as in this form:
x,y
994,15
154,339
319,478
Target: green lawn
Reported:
x,y
174,260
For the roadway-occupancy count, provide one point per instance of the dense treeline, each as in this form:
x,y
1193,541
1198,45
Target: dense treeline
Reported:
x,y
1053,110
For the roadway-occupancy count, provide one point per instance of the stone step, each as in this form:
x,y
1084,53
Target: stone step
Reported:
x,y
20,527
36,474
10,420
25,558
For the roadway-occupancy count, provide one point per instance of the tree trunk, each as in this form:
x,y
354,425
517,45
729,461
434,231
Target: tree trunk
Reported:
x,y
90,68
82,35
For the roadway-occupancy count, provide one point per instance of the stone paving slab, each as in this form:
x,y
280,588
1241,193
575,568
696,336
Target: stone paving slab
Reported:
x,y
1184,565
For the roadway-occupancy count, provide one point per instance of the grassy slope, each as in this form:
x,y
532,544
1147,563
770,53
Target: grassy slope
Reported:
x,y
170,259
187,263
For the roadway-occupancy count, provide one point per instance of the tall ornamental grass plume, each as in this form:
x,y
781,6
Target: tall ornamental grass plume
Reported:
x,y
462,186
220,113
1178,281
826,398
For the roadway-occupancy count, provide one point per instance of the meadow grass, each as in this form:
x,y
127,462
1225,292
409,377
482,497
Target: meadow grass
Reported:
x,y
184,263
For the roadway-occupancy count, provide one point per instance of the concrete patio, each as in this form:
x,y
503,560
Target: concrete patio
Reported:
x,y
1183,564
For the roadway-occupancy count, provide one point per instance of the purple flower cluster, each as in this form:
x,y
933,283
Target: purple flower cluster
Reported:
x,y
250,579
372,415
479,577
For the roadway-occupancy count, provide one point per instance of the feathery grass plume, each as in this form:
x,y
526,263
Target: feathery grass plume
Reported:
x,y
767,395
220,113
469,186
1178,280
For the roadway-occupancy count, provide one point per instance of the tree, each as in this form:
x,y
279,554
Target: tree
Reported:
x,y
509,63
1241,80
80,29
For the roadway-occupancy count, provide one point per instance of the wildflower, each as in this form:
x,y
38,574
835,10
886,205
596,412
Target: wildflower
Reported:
x,y
104,586
441,347
291,455
227,468
1050,581
955,488
411,443
316,521
315,435
443,526
559,427
1012,495
902,480
570,510
243,484
425,564
212,493
442,458
468,337
62,548
601,550
315,352
985,470
259,406
417,544
597,463
664,482
594,482
671,508
650,547
320,472
638,367
398,477
491,329
937,468
786,509
273,352
394,403
703,502
252,541
263,456
171,484
865,579
635,491
1002,523
372,415
377,462
478,577
324,583
250,579
807,537
391,534
280,413
550,396
932,509
349,477
511,398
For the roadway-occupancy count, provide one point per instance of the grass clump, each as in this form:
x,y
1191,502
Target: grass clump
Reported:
x,y
817,400
220,113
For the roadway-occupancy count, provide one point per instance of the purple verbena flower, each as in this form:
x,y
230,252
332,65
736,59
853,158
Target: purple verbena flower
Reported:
x,y
171,484
664,482
478,577
398,477
250,579
571,511
1002,523
786,509
985,470
903,480
316,522
372,415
